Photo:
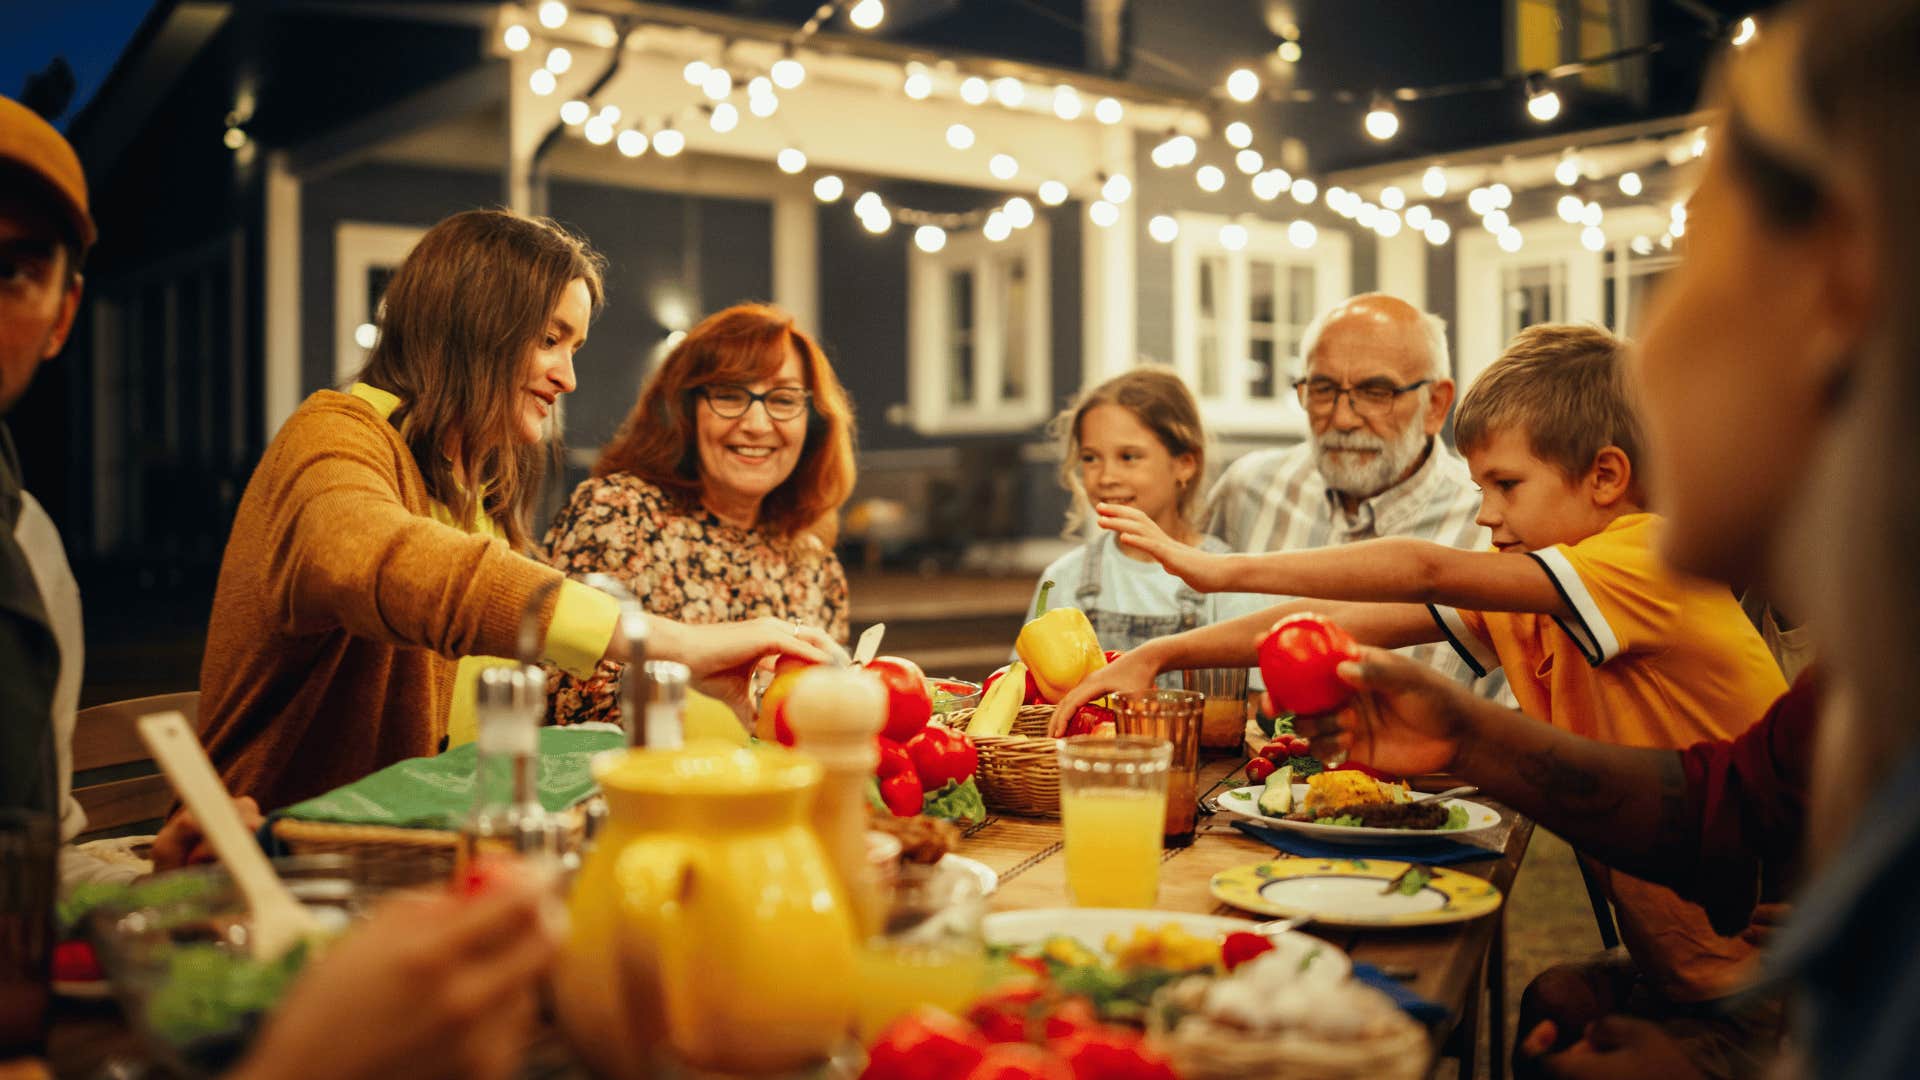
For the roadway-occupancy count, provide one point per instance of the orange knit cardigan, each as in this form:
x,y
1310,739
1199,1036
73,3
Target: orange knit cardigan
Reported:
x,y
342,608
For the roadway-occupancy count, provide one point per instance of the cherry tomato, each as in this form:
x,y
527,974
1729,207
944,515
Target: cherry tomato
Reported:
x,y
1113,1053
1018,1061
1276,751
1259,769
925,1044
1297,660
1240,947
1002,1015
941,754
894,758
909,705
903,794
74,961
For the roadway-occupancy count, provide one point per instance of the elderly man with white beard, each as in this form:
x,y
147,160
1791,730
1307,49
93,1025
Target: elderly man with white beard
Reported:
x,y
1376,389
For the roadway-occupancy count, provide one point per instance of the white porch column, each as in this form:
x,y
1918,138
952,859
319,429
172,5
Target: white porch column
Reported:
x,y
1403,267
796,258
1108,287
282,293
527,123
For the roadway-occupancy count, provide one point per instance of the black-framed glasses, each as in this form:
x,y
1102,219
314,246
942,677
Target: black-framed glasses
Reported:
x,y
730,401
1319,395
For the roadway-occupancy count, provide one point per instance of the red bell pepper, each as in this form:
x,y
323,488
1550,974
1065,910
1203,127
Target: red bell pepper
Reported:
x,y
1297,660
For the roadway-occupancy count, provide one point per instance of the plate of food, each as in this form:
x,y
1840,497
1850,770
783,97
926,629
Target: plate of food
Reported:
x,y
1357,892
1119,957
1349,806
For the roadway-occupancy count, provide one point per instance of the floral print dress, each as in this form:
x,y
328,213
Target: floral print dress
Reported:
x,y
683,563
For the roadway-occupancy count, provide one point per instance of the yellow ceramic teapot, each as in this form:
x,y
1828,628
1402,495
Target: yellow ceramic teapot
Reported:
x,y
707,923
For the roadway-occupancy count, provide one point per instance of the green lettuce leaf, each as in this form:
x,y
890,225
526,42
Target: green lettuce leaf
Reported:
x,y
958,801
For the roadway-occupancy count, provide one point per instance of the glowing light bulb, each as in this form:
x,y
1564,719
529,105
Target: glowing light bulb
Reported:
x,y
1302,234
1243,85
1630,184
717,83
1367,216
1418,216
1009,91
1289,51
1678,213
1249,161
1502,196
868,203
1434,181
1103,213
959,136
1392,198
696,72
1593,239
1239,135
760,86
366,335
828,189
559,60
610,113
1267,186
1233,236
599,131
1438,232
919,84
1511,240
632,143
1480,201
1592,214
1053,192
867,14
1382,121
1117,189
1543,104
1003,166
1569,208
725,118
1642,246
669,142
788,73
791,160
998,228
929,238
974,90
763,105
878,222
1747,29
1387,224
517,38
1066,103
1019,212
1210,178
1496,222
1108,111
1163,229
542,82
1304,191
575,112
553,14
1567,172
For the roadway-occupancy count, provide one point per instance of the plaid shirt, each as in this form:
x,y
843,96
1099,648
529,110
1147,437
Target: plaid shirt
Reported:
x,y
1276,500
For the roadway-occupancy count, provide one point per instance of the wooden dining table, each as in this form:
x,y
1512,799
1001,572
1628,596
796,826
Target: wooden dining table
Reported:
x,y
1448,964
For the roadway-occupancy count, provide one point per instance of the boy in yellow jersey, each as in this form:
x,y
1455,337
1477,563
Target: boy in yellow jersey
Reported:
x,y
1594,633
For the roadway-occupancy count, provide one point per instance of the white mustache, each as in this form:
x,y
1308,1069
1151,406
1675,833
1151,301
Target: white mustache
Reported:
x,y
1355,441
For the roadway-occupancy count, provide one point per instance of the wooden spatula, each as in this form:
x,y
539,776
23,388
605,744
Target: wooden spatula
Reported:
x,y
278,922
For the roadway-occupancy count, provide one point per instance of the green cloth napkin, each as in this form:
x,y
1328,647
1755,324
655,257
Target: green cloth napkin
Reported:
x,y
437,792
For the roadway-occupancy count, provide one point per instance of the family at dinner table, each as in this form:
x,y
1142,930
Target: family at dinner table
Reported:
x,y
1548,600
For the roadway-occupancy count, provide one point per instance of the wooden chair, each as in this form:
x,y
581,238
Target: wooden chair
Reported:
x,y
114,779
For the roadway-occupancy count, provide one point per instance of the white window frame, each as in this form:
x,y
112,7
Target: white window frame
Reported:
x,y
1331,259
360,246
930,315
1549,241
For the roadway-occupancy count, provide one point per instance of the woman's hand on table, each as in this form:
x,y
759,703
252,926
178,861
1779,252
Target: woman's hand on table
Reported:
x,y
723,656
1407,719
181,843
428,986
1134,670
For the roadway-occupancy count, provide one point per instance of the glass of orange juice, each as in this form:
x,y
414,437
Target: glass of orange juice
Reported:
x,y
1113,804
928,950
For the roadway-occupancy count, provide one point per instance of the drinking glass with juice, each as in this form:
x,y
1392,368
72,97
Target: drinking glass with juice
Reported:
x,y
1113,806
928,951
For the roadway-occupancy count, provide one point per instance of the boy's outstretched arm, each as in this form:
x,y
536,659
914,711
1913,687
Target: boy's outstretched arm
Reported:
x,y
1233,643
1388,570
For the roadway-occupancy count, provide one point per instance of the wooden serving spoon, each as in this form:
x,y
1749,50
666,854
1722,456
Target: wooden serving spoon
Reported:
x,y
279,922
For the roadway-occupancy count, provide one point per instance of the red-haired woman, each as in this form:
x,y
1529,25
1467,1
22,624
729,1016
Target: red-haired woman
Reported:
x,y
717,499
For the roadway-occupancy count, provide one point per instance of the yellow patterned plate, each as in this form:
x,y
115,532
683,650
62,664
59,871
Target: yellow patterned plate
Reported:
x,y
1348,892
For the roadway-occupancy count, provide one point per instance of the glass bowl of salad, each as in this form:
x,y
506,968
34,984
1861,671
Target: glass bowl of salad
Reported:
x,y
174,947
952,695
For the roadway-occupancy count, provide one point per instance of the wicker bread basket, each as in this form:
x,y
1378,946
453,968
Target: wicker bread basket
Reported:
x,y
1019,773
428,854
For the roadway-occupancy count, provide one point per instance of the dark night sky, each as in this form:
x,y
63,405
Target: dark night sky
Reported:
x,y
89,33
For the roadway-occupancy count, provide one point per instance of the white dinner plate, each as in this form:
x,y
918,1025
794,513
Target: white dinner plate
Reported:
x,y
1091,927
1245,802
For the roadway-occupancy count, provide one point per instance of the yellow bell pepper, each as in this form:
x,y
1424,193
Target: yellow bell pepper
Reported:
x,y
1059,647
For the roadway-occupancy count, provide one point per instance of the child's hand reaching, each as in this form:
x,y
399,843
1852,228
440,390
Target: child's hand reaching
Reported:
x,y
1203,570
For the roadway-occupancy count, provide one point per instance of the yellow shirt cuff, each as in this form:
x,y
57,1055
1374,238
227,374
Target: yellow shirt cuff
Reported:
x,y
583,622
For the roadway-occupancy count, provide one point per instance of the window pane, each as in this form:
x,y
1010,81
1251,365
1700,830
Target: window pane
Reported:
x,y
1260,299
1597,38
1213,275
1536,26
1209,360
1013,311
1531,294
960,332
1259,370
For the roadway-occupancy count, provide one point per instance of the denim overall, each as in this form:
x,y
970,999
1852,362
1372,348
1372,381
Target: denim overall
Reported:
x,y
1119,631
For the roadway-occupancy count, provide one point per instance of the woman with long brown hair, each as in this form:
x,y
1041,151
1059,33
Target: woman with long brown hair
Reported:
x,y
717,498
378,540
